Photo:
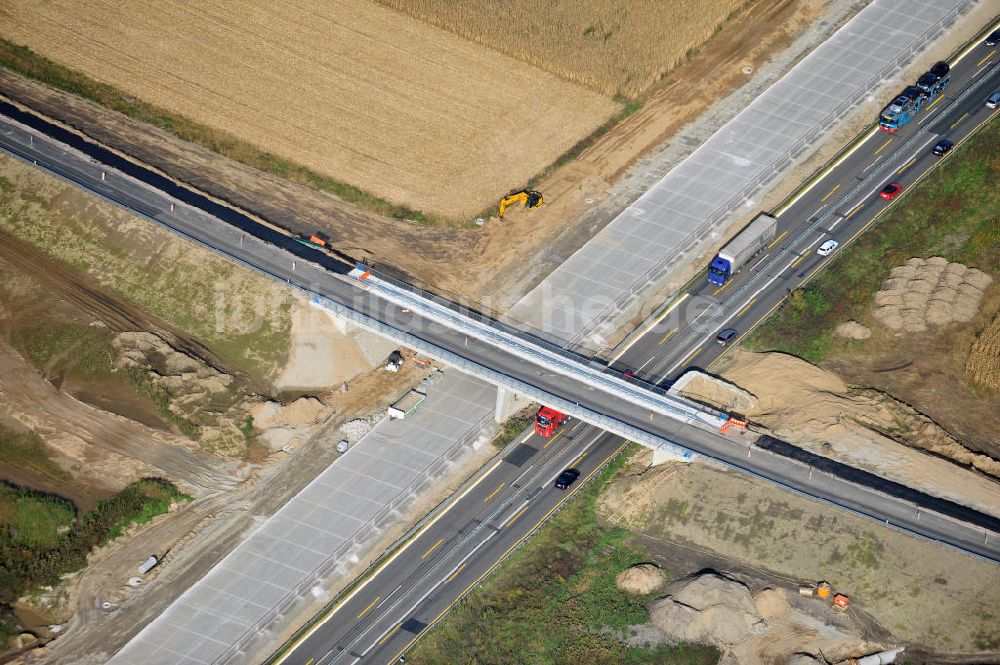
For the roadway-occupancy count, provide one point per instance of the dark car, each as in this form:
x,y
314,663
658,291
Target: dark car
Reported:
x,y
725,336
891,190
943,147
567,478
993,39
940,69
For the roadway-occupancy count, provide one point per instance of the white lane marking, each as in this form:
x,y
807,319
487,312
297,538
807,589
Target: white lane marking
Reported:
x,y
867,168
509,518
759,262
646,363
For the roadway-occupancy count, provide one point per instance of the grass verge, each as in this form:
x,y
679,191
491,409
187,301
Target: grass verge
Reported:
x,y
41,538
952,213
25,62
555,600
512,428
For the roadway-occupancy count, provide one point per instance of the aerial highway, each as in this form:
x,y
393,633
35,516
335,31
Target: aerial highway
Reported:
x,y
949,523
479,526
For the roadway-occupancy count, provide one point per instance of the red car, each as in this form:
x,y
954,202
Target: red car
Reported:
x,y
891,190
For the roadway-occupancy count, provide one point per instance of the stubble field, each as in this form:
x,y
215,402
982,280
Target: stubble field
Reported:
x,y
617,47
351,89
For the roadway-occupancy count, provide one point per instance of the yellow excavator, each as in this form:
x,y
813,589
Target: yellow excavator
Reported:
x,y
529,198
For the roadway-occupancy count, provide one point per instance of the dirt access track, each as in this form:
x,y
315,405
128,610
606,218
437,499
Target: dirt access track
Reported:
x,y
473,265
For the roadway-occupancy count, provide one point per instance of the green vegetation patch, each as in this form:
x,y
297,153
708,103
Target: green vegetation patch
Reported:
x,y
954,213
41,538
555,601
512,428
22,60
34,519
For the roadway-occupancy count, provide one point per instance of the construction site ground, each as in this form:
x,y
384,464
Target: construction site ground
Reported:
x,y
84,271
693,516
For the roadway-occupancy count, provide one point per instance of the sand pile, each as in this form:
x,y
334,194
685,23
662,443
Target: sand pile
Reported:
x,y
983,363
640,580
751,628
867,429
929,292
853,330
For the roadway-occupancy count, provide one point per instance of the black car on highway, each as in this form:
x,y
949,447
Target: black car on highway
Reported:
x,y
943,147
567,478
993,39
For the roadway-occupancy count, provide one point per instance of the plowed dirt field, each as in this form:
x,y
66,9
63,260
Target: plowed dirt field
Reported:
x,y
352,90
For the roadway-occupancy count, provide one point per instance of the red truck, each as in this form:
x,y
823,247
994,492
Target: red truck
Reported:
x,y
548,421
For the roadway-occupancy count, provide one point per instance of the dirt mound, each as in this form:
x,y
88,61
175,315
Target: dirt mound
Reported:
x,y
712,390
853,330
708,608
209,400
771,604
865,428
932,291
983,363
640,580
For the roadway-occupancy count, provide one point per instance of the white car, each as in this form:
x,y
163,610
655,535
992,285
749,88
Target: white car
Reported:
x,y
827,248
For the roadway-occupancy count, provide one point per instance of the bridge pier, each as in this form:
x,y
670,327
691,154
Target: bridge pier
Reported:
x,y
508,403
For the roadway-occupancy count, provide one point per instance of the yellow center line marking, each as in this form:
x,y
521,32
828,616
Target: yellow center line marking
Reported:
x,y
667,336
653,323
432,548
884,146
855,211
370,605
964,116
778,239
691,357
457,571
310,661
552,439
940,97
391,633
495,492
578,459
797,261
865,227
719,290
823,200
517,516
509,550
749,304
988,56
907,165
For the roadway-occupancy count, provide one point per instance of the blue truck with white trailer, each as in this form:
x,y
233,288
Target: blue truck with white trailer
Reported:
x,y
748,243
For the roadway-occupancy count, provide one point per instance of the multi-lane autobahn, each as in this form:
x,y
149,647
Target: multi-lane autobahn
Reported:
x,y
460,545
839,205
385,615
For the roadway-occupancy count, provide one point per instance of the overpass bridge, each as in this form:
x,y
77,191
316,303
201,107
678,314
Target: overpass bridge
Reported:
x,y
673,426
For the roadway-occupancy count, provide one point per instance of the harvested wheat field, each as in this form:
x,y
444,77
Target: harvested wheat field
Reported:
x,y
983,365
617,47
350,89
